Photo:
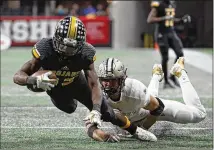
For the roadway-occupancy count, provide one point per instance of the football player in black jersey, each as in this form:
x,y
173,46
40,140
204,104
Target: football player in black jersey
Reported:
x,y
71,58
163,14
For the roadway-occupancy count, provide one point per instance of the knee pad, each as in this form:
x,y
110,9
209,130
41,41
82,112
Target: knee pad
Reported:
x,y
158,111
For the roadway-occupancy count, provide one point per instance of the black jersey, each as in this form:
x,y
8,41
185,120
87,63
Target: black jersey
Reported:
x,y
66,70
164,9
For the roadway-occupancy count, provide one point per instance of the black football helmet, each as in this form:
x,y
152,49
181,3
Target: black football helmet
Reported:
x,y
69,36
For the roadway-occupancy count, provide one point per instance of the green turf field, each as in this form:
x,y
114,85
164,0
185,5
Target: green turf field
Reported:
x,y
207,50
30,121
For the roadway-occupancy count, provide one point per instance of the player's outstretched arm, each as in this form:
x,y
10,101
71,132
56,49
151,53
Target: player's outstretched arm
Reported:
x,y
94,85
99,135
94,116
21,77
152,17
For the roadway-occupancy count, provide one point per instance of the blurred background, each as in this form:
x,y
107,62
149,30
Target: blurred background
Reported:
x,y
117,24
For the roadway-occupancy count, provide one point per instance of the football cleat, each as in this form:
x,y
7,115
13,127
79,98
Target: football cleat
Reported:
x,y
144,135
177,67
157,70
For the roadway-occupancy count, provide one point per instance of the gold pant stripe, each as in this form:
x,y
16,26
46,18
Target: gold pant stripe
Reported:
x,y
72,28
128,123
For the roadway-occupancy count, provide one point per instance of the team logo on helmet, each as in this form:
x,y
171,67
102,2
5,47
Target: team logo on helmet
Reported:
x,y
69,36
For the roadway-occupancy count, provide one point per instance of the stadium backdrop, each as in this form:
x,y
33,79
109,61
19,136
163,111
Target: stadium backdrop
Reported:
x,y
27,30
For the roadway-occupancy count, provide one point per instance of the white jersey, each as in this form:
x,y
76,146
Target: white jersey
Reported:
x,y
133,97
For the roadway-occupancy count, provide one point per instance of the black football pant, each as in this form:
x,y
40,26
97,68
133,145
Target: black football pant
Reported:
x,y
166,41
65,99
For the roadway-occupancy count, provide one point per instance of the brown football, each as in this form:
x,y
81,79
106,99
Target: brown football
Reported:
x,y
38,73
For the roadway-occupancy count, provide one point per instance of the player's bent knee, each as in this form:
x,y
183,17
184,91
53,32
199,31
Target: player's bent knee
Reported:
x,y
69,110
158,111
200,117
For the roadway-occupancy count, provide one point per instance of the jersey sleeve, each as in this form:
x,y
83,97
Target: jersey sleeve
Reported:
x,y
155,4
141,93
35,52
41,49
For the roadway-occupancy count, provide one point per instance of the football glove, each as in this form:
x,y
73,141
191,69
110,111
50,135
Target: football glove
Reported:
x,y
94,117
113,138
44,82
186,18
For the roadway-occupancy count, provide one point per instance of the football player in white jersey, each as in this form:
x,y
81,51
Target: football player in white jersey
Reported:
x,y
132,95
127,95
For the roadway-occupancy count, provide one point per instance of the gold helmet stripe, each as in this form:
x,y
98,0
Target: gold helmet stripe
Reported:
x,y
72,28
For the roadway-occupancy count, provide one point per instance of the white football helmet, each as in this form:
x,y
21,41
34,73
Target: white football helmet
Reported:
x,y
109,69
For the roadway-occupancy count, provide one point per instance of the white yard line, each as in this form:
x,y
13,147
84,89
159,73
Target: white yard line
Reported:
x,y
51,107
45,95
44,127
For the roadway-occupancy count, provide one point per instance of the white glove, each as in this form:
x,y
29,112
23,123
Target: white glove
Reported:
x,y
186,18
94,117
113,138
44,82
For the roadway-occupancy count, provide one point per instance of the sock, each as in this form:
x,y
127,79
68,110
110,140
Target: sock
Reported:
x,y
154,85
131,129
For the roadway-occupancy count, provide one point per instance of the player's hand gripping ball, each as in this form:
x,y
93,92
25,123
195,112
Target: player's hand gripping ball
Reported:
x,y
45,81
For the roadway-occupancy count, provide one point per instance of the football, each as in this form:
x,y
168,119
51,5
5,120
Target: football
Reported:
x,y
38,73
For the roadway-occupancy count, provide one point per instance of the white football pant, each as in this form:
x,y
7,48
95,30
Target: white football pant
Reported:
x,y
190,112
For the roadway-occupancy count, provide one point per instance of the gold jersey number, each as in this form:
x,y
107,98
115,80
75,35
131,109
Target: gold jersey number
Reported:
x,y
170,12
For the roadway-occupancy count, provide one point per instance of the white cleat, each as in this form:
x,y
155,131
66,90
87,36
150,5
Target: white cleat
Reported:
x,y
144,135
178,67
157,70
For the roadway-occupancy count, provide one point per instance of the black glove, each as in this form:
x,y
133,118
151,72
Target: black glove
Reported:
x,y
186,19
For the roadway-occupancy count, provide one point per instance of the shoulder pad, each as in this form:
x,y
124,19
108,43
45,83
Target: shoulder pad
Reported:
x,y
155,4
89,52
42,48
